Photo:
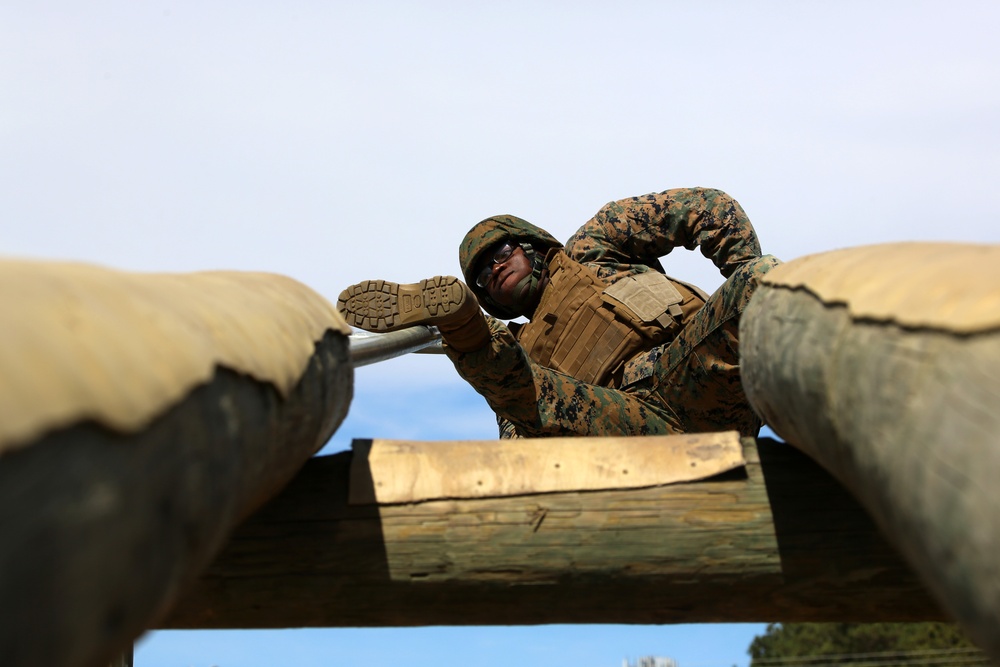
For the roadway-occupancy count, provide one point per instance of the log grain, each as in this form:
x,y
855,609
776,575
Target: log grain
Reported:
x,y
778,540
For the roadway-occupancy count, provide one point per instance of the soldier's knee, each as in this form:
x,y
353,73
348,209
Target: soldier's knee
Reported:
x,y
752,271
741,285
756,268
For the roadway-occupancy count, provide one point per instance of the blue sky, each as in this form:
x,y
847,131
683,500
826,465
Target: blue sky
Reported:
x,y
550,646
336,141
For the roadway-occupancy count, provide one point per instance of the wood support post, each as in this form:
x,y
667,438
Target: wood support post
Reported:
x,y
123,660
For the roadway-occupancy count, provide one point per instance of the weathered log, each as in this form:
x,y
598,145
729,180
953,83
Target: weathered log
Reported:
x,y
141,418
775,540
883,364
123,660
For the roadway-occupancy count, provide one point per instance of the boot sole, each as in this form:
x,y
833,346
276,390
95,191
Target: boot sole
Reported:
x,y
380,305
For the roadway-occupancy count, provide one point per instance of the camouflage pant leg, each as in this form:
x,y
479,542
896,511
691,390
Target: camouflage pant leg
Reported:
x,y
542,402
697,377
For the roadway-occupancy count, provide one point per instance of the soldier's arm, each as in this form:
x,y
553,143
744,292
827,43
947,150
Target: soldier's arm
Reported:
x,y
642,229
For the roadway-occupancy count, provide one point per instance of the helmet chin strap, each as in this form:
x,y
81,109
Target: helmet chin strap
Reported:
x,y
526,291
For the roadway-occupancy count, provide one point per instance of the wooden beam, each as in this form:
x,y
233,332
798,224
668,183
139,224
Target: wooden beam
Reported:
x,y
883,364
778,540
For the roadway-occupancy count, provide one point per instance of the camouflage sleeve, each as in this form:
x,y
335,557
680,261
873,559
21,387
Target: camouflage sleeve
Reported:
x,y
507,429
639,230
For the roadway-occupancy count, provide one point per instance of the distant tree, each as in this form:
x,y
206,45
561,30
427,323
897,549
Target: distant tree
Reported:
x,y
913,644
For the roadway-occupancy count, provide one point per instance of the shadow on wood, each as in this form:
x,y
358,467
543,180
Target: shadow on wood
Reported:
x,y
696,552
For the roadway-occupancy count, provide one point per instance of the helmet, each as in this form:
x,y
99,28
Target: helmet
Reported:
x,y
487,235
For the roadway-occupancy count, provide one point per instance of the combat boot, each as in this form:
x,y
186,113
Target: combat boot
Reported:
x,y
442,301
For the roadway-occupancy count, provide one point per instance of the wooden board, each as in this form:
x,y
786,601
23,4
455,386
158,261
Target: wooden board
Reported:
x,y
405,471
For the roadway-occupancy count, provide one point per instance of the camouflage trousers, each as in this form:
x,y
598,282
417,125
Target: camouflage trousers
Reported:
x,y
688,385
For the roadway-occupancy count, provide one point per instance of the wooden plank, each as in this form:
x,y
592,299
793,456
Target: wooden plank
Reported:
x,y
878,374
777,540
404,471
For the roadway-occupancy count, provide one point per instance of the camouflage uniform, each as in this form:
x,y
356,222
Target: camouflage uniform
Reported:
x,y
688,383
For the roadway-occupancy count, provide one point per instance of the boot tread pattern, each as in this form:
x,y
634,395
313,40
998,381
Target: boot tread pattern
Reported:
x,y
380,305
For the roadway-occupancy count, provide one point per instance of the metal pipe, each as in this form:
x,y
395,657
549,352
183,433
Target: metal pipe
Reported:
x,y
369,348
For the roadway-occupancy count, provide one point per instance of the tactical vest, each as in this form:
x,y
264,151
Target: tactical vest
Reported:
x,y
588,329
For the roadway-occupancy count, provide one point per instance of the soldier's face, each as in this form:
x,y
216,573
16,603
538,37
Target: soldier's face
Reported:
x,y
506,275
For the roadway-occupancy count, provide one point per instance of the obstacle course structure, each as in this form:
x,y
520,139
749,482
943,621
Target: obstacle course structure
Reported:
x,y
144,417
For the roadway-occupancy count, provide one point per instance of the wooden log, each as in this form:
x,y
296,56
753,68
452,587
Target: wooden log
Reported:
x,y
776,540
883,364
141,418
123,659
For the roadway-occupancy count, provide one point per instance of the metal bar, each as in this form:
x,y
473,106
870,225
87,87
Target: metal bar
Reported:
x,y
368,348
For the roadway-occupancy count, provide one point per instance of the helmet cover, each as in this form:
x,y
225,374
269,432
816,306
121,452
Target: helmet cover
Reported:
x,y
485,237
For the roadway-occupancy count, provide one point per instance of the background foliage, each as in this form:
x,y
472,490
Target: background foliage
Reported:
x,y
869,643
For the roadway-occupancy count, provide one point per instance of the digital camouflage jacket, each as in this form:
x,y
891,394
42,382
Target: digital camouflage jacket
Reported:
x,y
625,238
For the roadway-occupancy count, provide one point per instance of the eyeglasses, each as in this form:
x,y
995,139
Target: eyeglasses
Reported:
x,y
502,254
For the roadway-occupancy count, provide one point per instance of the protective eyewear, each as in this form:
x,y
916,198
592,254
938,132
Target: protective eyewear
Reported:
x,y
502,254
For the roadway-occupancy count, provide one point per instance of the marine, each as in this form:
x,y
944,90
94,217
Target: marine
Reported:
x,y
611,345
